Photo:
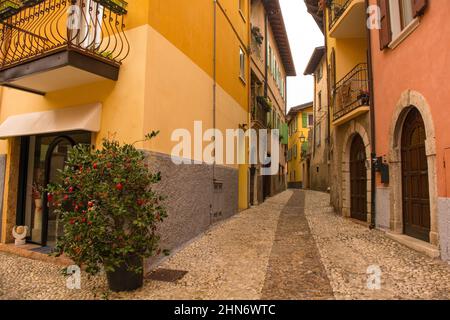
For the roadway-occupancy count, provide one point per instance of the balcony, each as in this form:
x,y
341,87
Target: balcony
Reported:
x,y
259,111
49,45
351,96
347,18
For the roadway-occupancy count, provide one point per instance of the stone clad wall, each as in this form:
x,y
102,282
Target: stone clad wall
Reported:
x,y
2,186
192,203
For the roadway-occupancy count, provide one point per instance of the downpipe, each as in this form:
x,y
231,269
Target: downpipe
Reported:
x,y
373,154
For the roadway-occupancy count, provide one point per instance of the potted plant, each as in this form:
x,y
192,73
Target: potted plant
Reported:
x,y
116,6
265,102
364,97
31,3
257,35
109,211
8,8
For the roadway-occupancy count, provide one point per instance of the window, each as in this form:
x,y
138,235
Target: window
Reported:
x,y
319,74
318,134
242,64
398,20
310,120
319,100
402,15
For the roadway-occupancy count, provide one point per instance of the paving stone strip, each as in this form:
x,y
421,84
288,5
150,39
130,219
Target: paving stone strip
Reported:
x,y
295,269
293,246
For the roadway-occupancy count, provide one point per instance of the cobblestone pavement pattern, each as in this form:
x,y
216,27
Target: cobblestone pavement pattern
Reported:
x,y
290,247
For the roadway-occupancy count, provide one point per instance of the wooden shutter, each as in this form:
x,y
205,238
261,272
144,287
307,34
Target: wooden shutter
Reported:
x,y
304,120
385,24
419,7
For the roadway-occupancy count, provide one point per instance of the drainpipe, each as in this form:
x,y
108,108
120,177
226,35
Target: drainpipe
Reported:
x,y
214,90
214,86
372,128
266,22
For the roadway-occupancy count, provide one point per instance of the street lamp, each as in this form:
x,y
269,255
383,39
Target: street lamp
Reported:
x,y
302,138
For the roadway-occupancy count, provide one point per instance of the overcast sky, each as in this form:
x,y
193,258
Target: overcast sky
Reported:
x,y
304,36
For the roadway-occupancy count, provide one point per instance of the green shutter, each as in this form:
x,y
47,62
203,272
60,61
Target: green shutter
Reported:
x,y
305,120
284,133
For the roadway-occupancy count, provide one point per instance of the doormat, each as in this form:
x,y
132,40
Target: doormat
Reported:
x,y
167,275
43,250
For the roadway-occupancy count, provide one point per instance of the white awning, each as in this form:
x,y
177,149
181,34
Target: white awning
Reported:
x,y
86,117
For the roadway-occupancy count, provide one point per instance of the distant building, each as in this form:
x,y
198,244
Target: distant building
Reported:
x,y
320,138
271,62
300,123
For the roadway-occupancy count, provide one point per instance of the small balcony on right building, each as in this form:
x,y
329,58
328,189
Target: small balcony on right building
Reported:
x,y
347,18
351,96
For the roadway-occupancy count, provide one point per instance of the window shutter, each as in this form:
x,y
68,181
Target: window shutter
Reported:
x,y
419,7
304,120
385,24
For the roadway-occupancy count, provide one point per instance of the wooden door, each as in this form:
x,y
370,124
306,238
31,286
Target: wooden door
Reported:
x,y
416,198
358,180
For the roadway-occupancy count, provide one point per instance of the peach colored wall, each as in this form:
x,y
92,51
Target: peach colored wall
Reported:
x,y
421,63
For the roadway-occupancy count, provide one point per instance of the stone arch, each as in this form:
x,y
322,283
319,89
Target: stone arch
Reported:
x,y
408,100
355,128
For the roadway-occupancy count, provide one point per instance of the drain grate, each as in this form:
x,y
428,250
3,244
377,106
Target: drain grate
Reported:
x,y
167,275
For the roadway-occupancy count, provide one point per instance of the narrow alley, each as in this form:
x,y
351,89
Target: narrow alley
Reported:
x,y
291,247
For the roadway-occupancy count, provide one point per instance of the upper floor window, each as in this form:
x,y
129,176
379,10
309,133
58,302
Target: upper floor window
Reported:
x,y
242,64
401,14
398,19
318,134
319,100
319,73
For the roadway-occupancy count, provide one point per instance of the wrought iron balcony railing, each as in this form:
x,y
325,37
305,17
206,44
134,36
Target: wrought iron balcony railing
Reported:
x,y
337,9
351,92
40,28
259,111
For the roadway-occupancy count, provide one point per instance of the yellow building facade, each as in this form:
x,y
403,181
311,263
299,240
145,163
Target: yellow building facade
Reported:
x,y
344,24
156,65
300,123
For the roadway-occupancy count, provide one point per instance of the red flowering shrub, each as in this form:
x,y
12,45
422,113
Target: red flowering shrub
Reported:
x,y
107,206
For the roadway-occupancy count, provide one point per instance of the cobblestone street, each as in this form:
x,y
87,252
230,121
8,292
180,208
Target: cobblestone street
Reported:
x,y
291,247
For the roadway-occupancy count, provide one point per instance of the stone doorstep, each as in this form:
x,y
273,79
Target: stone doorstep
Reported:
x,y
361,223
25,252
415,244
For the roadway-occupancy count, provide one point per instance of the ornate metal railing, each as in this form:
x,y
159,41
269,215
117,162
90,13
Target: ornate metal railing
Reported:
x,y
351,92
337,9
92,27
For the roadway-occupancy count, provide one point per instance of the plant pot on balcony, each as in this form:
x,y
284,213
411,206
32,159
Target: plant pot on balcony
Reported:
x,y
8,8
364,98
265,102
117,6
31,3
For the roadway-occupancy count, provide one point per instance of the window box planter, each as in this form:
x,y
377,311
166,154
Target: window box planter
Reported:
x,y
8,8
364,97
264,102
117,6
257,36
31,3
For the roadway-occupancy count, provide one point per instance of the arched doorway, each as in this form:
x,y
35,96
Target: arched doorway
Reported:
x,y
415,188
358,179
